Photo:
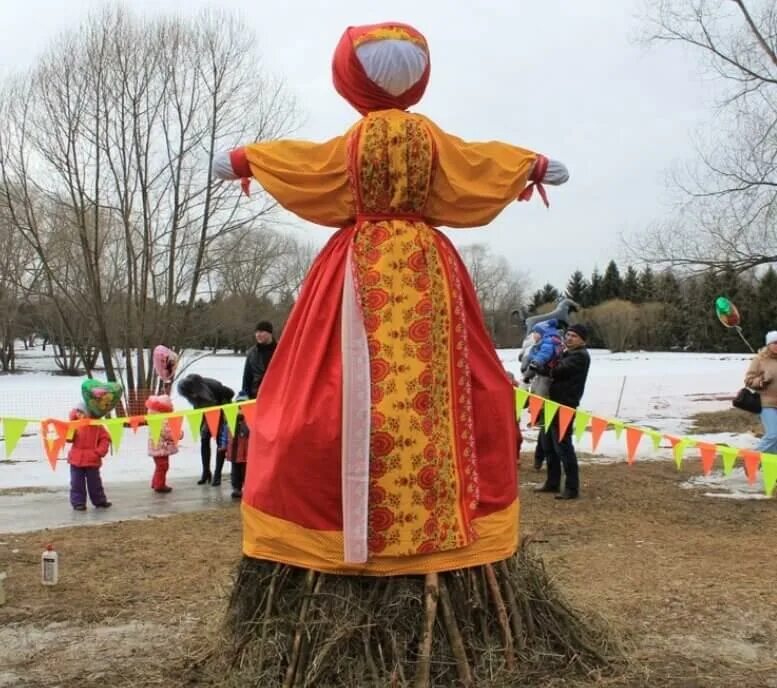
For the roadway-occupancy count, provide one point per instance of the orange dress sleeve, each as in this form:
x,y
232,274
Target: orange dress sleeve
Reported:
x,y
309,179
474,181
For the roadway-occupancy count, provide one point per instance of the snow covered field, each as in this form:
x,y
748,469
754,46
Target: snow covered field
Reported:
x,y
659,390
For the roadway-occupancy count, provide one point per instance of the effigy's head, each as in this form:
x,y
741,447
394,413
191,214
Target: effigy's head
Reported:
x,y
381,66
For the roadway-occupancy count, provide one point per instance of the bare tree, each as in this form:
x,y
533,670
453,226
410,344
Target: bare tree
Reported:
x,y
113,132
727,219
499,288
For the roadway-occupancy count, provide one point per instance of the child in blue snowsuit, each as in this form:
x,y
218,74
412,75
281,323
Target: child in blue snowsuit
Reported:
x,y
536,366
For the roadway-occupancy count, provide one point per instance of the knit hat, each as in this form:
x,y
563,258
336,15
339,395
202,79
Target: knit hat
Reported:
x,y
263,326
771,337
160,404
581,331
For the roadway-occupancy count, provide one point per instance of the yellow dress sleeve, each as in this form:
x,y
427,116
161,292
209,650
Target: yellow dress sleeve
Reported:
x,y
473,182
309,179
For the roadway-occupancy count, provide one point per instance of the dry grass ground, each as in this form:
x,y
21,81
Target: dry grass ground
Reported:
x,y
688,581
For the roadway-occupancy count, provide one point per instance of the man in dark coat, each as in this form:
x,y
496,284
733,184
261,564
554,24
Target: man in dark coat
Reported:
x,y
257,359
202,392
567,385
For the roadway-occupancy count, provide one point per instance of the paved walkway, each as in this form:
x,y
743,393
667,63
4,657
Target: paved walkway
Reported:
x,y
20,513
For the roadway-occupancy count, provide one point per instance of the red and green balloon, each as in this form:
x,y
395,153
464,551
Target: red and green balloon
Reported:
x,y
727,312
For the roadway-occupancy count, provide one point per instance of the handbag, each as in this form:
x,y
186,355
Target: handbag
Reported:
x,y
747,400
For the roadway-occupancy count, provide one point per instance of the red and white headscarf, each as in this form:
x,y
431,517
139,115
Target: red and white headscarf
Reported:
x,y
381,66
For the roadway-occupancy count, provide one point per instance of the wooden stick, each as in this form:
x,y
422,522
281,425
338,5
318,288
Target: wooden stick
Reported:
x,y
515,615
267,611
454,635
501,612
431,594
296,647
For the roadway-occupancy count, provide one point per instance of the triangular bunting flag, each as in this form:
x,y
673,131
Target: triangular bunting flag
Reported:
x,y
565,416
550,409
633,437
13,429
678,447
618,426
729,455
230,413
581,423
655,437
176,423
769,472
194,418
249,413
707,452
598,426
115,428
521,396
535,406
135,422
752,459
155,423
54,435
213,418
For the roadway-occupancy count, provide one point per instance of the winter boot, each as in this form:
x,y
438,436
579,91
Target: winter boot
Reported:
x,y
220,456
205,454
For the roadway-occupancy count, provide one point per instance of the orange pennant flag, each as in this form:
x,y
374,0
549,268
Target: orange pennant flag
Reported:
x,y
752,460
54,434
175,424
212,418
598,426
249,413
565,416
135,422
535,406
707,452
633,437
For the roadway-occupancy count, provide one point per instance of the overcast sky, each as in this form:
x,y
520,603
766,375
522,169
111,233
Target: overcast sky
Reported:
x,y
566,78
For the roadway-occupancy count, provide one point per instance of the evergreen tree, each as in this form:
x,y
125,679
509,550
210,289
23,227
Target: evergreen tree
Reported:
x,y
647,285
550,294
764,313
578,288
631,287
595,289
612,285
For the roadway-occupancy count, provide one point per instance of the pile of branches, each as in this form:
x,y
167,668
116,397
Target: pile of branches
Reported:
x,y
493,625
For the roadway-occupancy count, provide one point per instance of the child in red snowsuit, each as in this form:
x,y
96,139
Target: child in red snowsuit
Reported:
x,y
90,444
237,450
160,450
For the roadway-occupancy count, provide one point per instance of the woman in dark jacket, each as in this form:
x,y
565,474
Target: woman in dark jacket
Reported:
x,y
202,392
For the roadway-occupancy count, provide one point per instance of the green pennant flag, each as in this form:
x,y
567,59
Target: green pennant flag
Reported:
x,y
618,426
679,451
581,423
155,422
549,413
769,472
230,413
521,397
13,428
194,418
655,438
729,455
115,427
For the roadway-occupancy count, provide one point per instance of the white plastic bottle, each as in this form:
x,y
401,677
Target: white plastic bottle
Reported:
x,y
49,566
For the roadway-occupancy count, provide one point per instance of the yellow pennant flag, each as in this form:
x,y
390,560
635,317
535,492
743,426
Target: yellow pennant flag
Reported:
x,y
194,418
549,413
230,413
155,422
679,451
769,472
618,426
581,423
729,455
115,428
521,397
655,437
13,429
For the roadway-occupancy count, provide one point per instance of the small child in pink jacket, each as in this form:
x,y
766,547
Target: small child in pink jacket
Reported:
x,y
161,449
